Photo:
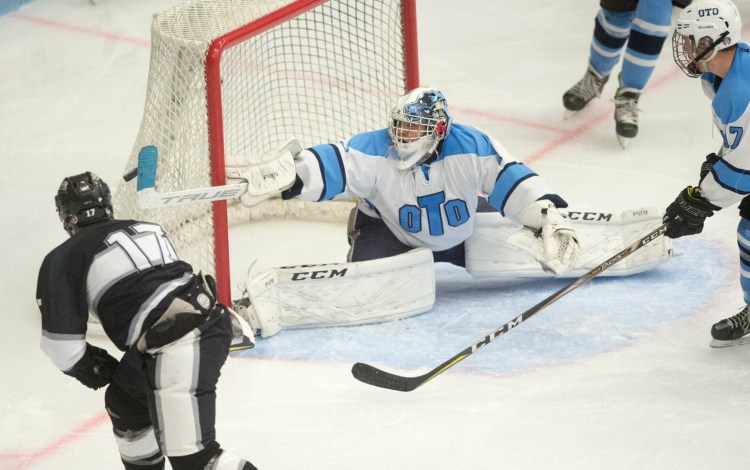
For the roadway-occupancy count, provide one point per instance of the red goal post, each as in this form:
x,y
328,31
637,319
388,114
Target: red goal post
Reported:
x,y
232,80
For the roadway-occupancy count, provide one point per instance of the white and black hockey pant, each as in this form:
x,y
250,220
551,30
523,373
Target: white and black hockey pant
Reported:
x,y
163,402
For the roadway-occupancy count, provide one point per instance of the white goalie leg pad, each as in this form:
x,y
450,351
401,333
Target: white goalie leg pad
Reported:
x,y
343,293
600,235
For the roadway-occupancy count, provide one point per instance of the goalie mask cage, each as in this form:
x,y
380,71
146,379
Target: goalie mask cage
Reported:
x,y
232,80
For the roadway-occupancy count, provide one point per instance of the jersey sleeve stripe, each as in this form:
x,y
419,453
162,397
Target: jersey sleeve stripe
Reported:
x,y
331,169
724,173
507,181
64,350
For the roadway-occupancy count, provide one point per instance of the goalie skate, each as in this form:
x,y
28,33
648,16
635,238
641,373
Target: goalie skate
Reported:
x,y
243,309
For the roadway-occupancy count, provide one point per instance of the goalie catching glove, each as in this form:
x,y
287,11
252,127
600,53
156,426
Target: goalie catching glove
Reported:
x,y
548,236
267,179
686,215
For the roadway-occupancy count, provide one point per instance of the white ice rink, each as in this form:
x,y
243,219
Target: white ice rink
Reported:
x,y
617,375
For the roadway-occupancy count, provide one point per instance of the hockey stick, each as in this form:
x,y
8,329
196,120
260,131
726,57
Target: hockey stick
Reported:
x,y
149,198
254,183
380,378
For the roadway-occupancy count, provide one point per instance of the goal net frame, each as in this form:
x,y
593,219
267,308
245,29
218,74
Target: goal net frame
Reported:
x,y
215,120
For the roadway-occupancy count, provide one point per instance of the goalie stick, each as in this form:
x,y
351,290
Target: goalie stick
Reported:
x,y
258,182
380,378
149,197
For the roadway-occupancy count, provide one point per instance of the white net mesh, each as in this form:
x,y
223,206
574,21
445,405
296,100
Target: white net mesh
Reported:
x,y
324,75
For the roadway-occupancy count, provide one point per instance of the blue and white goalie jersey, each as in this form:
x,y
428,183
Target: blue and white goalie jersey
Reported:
x,y
432,205
729,179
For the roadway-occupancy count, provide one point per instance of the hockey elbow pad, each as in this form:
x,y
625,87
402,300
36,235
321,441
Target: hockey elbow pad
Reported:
x,y
94,369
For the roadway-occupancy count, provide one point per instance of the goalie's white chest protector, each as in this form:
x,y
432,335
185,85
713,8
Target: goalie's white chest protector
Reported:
x,y
432,206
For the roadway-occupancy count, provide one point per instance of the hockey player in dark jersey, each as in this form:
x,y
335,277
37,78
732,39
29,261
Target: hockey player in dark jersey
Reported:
x,y
161,395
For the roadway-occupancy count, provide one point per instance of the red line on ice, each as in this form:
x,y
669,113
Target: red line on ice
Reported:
x,y
25,460
82,30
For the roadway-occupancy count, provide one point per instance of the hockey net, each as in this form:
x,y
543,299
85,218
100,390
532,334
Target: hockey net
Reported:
x,y
233,80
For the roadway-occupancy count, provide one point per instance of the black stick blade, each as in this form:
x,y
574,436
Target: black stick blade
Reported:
x,y
380,378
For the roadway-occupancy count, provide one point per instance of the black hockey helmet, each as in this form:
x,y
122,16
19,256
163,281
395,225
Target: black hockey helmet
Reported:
x,y
83,200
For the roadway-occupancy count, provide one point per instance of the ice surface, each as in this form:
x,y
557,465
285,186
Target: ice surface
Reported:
x,y
616,375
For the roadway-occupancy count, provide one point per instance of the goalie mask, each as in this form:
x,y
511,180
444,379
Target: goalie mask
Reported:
x,y
419,121
83,200
704,28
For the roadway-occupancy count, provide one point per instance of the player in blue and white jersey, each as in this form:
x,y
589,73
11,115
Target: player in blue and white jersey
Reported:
x,y
706,44
417,183
161,395
635,30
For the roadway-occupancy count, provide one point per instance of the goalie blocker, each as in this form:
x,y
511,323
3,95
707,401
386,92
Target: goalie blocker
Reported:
x,y
401,286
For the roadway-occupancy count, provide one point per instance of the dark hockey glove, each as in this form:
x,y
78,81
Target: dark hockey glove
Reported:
x,y
681,3
95,368
294,190
686,215
711,158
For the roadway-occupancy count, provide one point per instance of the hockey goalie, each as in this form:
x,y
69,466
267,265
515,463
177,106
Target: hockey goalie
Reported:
x,y
428,190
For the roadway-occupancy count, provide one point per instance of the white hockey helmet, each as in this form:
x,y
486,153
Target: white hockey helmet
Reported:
x,y
419,121
704,28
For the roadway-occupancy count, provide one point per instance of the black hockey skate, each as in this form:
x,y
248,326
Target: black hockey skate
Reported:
x,y
585,90
626,114
732,331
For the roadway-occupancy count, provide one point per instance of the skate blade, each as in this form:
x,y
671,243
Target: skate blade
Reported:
x,y
568,113
624,141
242,344
716,343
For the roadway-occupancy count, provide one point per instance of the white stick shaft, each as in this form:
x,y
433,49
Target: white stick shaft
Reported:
x,y
149,197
